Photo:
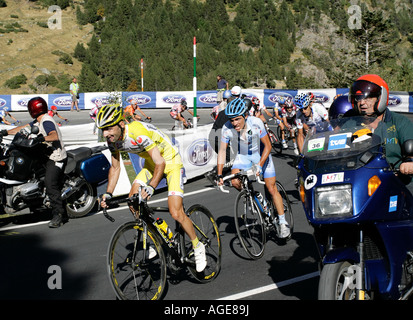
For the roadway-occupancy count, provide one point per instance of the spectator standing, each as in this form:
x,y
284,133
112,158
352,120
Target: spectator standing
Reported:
x,y
222,85
74,92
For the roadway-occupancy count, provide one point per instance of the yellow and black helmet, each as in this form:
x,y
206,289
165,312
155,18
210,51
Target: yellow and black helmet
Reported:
x,y
109,115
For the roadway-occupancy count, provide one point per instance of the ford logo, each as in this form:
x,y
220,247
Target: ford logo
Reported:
x,y
2,103
394,101
23,102
208,98
275,96
199,152
101,99
63,101
320,97
249,95
140,99
173,98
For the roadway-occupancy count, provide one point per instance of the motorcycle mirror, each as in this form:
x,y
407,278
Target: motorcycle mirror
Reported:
x,y
35,130
407,148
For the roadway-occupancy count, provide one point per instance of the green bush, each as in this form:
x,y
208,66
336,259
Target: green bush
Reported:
x,y
66,59
49,80
15,82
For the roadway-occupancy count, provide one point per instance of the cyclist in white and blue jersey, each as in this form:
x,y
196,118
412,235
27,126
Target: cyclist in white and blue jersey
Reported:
x,y
248,136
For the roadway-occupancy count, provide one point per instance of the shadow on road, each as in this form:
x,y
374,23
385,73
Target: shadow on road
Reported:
x,y
25,274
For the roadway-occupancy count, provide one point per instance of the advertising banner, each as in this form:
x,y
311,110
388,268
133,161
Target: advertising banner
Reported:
x,y
19,101
272,97
166,99
91,99
5,102
143,99
400,101
63,101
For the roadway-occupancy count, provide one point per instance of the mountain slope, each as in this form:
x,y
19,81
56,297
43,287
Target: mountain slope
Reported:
x,y
30,53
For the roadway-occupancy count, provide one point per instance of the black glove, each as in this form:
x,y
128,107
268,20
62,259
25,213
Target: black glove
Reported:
x,y
39,138
4,133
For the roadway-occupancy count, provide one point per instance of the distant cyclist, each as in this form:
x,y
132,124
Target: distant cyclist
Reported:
x,y
4,113
93,114
130,114
259,109
178,109
249,135
161,158
309,116
53,112
288,114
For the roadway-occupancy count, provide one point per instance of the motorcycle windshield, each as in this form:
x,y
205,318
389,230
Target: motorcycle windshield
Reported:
x,y
342,144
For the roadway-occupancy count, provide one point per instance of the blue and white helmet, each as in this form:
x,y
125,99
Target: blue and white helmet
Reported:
x,y
302,100
235,108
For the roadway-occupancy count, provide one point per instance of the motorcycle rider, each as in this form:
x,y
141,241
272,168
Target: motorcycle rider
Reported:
x,y
55,165
369,96
161,158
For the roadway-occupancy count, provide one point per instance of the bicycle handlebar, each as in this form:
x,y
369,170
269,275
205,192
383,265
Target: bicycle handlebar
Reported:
x,y
250,172
117,201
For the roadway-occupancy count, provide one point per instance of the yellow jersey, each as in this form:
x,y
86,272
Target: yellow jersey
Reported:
x,y
140,137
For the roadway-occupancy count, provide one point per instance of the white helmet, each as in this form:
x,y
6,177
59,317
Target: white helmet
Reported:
x,y
236,91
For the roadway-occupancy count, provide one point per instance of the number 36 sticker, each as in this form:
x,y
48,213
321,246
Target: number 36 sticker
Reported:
x,y
316,144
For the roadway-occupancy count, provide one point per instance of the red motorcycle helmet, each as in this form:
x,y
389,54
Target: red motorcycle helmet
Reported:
x,y
37,106
370,85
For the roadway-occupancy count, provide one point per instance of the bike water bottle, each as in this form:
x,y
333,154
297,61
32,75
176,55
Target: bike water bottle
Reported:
x,y
263,202
164,227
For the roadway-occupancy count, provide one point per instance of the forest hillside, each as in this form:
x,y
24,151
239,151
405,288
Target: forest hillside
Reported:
x,y
252,43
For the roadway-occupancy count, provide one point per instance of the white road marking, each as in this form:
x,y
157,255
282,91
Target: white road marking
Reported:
x,y
270,287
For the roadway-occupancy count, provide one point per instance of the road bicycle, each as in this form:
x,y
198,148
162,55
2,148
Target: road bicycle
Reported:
x,y
140,252
287,137
275,141
179,125
255,215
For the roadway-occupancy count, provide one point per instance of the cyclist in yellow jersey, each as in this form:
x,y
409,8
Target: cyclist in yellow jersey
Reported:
x,y
161,158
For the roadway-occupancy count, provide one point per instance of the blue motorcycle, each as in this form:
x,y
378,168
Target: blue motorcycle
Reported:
x,y
361,212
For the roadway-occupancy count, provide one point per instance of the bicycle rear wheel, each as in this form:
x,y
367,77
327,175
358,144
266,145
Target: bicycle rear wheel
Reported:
x,y
250,225
136,272
287,208
207,232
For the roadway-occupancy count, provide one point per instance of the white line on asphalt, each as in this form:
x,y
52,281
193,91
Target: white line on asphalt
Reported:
x,y
270,287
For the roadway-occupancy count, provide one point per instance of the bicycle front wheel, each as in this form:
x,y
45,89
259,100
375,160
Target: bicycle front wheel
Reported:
x,y
250,225
207,232
136,266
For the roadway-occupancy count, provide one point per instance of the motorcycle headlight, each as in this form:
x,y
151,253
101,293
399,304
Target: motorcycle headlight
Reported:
x,y
333,201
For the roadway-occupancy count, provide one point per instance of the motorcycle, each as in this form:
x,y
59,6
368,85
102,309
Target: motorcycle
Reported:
x,y
22,173
361,212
